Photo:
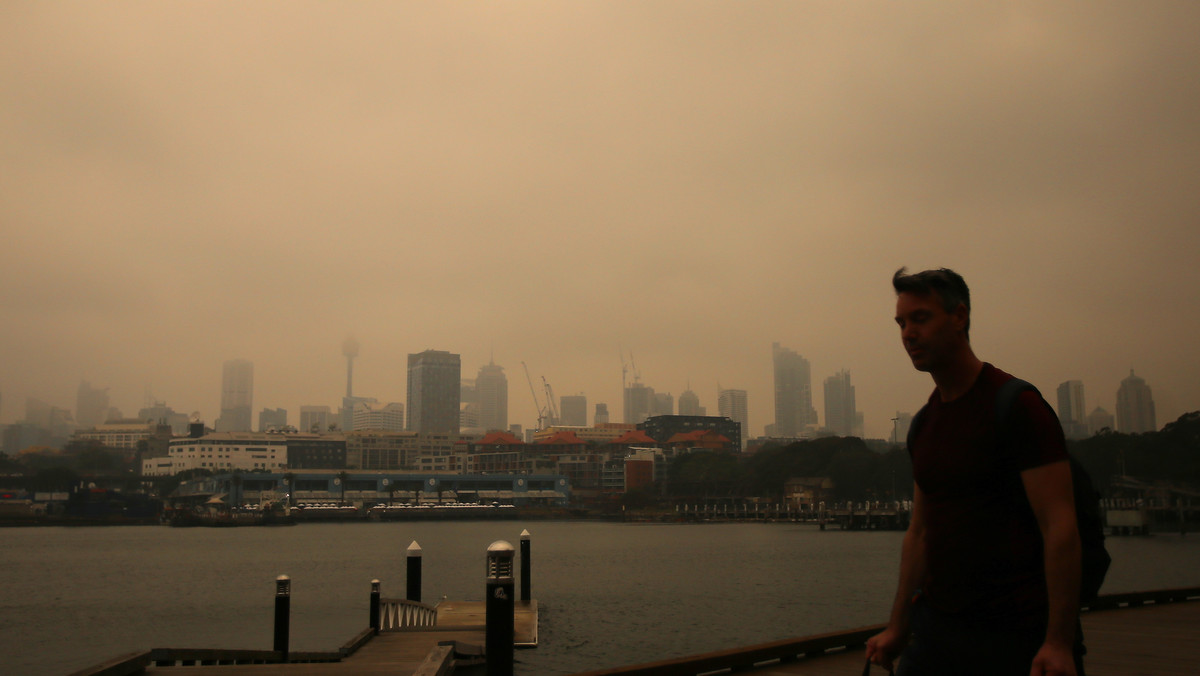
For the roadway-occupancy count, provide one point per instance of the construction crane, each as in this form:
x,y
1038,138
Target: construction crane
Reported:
x,y
541,417
552,408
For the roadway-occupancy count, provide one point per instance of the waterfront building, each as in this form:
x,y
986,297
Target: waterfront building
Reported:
x,y
91,405
237,396
434,382
841,414
794,411
117,434
1135,406
596,434
315,419
665,428
491,395
272,420
573,410
735,405
1071,409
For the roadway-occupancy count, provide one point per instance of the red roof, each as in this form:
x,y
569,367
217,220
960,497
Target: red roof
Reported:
x,y
499,438
634,437
562,437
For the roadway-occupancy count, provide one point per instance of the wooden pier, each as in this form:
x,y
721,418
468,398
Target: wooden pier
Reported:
x,y
1126,635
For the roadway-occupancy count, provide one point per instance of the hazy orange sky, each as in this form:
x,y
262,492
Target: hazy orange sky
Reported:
x,y
188,182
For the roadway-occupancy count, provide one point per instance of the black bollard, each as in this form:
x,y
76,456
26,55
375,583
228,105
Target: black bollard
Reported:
x,y
413,577
499,608
375,606
526,567
283,605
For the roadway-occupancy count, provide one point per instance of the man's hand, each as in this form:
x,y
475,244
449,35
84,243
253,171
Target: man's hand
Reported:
x,y
1052,659
884,647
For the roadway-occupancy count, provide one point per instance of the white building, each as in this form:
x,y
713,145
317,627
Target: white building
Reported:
x,y
221,452
117,434
369,416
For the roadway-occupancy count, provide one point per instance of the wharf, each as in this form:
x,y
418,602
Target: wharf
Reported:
x,y
1126,635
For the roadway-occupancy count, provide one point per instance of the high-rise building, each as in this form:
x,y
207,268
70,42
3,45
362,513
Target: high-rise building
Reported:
x,y
573,408
315,418
91,405
1070,409
491,393
689,403
841,414
900,425
237,396
434,392
734,404
639,403
600,417
664,404
1099,419
793,393
272,419
370,416
1135,406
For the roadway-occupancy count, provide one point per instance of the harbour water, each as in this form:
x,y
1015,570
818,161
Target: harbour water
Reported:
x,y
610,593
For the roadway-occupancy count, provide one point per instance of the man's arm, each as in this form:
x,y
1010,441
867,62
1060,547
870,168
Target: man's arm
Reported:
x,y
1050,494
885,647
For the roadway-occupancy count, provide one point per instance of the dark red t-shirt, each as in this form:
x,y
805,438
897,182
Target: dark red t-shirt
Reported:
x,y
983,546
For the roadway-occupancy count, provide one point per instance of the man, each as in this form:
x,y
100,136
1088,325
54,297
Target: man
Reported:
x,y
989,569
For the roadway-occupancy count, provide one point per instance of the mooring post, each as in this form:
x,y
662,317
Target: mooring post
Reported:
x,y
526,568
499,608
283,606
375,606
413,577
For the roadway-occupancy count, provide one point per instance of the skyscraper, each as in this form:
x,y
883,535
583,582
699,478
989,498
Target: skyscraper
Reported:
x,y
734,404
491,393
91,405
1135,406
793,392
573,408
1071,412
433,392
237,396
664,404
689,403
600,417
841,413
639,403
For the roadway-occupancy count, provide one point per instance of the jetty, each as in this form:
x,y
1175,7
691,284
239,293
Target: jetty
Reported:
x,y
1155,632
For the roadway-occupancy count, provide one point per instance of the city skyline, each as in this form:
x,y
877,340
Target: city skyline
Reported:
x,y
577,185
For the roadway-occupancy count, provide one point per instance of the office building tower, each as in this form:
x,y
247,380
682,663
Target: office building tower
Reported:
x,y
900,426
237,396
841,413
345,416
373,416
350,351
639,403
734,404
434,382
315,419
491,395
91,405
573,408
1135,406
794,410
269,420
664,404
1070,409
158,412
689,403
1099,420
600,417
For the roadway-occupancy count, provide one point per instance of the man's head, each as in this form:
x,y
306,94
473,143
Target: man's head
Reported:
x,y
933,310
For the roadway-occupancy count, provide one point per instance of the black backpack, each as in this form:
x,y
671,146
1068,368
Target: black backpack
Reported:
x,y
1094,557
